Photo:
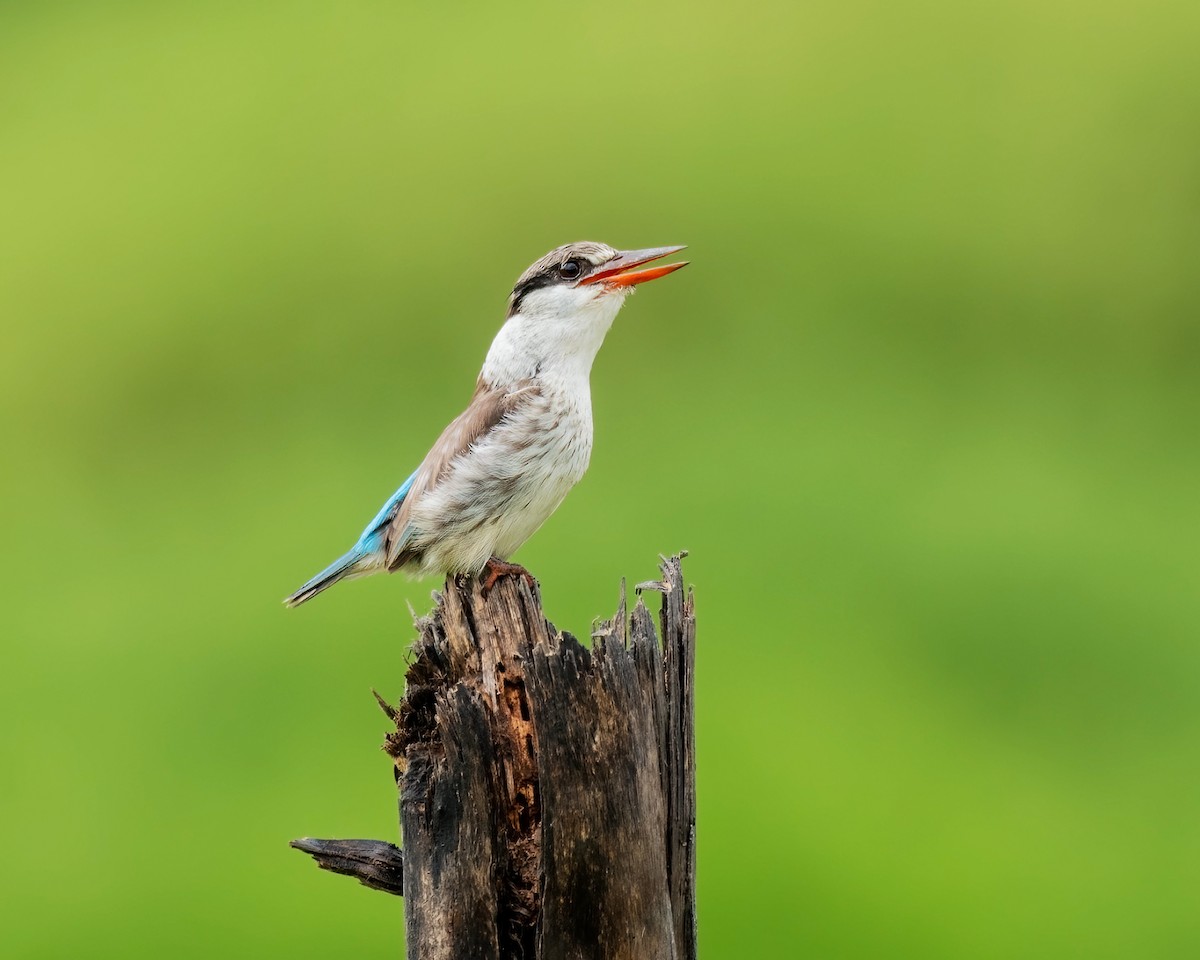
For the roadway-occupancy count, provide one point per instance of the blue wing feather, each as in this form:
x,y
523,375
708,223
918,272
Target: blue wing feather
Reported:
x,y
388,510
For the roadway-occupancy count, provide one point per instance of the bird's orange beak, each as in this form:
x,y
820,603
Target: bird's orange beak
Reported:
x,y
613,273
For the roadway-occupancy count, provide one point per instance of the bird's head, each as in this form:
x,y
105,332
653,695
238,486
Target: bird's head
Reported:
x,y
563,305
581,276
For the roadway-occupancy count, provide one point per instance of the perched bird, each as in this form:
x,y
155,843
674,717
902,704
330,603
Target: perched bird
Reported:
x,y
504,465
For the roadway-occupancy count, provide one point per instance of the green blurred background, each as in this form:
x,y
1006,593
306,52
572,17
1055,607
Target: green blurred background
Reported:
x,y
924,410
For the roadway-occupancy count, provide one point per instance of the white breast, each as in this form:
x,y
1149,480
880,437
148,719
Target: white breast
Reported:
x,y
497,495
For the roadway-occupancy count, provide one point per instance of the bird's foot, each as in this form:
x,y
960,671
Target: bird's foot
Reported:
x,y
496,568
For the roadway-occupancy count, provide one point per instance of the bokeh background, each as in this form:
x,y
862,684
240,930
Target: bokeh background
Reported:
x,y
923,409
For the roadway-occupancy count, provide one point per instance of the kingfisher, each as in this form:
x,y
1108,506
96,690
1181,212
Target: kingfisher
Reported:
x,y
505,463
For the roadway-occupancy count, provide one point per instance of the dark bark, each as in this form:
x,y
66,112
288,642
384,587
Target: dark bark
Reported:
x,y
547,791
376,864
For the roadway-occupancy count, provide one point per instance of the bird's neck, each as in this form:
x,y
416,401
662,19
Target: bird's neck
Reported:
x,y
558,349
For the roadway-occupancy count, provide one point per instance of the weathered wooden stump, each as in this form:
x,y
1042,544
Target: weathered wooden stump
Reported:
x,y
547,791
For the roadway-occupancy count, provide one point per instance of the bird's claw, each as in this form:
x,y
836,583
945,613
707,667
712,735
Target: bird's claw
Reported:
x,y
495,569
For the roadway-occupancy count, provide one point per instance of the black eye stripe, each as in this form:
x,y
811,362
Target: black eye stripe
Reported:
x,y
546,278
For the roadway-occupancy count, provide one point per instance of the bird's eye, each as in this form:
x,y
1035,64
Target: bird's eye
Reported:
x,y
570,270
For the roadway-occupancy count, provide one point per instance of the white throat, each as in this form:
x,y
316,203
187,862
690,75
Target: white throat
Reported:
x,y
555,334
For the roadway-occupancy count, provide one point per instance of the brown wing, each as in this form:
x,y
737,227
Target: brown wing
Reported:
x,y
488,407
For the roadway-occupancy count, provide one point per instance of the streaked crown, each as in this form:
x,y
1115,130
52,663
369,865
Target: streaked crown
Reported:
x,y
566,265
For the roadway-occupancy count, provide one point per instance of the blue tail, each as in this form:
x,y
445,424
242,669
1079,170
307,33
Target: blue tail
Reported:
x,y
350,565
364,557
